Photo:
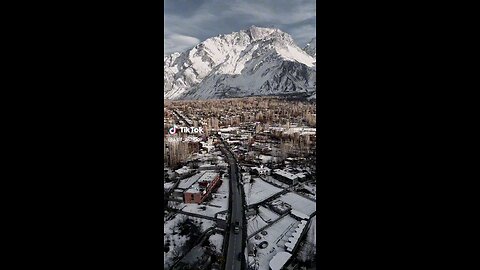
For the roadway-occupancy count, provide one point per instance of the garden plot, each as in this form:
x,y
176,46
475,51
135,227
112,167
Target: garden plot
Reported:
x,y
218,203
273,241
299,203
258,190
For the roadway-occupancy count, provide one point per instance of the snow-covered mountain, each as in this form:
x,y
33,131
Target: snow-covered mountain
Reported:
x,y
255,61
311,48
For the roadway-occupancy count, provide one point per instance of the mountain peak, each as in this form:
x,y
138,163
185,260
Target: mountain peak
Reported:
x,y
257,33
252,61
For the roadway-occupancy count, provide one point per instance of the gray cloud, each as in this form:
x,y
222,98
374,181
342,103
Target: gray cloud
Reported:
x,y
178,43
188,22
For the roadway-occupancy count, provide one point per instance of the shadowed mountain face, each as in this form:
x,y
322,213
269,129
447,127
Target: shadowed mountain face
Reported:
x,y
252,62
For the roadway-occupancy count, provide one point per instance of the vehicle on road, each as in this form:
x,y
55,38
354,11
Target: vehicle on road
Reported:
x,y
239,256
236,229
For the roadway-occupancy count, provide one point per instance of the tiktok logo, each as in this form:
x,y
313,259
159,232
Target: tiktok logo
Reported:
x,y
173,130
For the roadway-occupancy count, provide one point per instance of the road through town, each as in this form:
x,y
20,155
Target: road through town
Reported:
x,y
234,260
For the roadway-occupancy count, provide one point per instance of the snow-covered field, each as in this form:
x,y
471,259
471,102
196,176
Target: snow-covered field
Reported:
x,y
204,224
171,234
276,237
218,203
255,223
259,190
217,241
176,241
299,203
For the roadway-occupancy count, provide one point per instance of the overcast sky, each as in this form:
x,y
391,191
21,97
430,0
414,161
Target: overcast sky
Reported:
x,y
188,22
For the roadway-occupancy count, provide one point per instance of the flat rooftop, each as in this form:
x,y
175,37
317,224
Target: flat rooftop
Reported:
x,y
208,176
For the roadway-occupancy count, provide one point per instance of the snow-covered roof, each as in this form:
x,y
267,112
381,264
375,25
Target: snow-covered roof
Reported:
x,y
300,175
279,260
285,174
228,129
187,183
261,169
208,176
299,214
183,170
292,241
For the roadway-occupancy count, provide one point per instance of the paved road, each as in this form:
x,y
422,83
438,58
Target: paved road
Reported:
x,y
234,240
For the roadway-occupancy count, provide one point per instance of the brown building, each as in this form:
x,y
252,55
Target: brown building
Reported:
x,y
192,196
200,190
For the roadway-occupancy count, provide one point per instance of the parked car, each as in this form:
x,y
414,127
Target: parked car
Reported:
x,y
239,256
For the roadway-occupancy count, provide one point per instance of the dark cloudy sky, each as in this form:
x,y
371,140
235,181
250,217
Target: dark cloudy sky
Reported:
x,y
188,22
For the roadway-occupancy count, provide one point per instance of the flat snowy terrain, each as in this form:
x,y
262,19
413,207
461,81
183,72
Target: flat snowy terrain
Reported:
x,y
171,234
259,190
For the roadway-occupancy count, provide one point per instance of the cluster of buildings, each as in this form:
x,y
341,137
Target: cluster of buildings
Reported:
x,y
271,139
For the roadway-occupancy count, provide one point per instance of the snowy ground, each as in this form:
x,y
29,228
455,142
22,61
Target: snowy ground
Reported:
x,y
204,224
299,203
254,224
170,230
218,203
217,241
171,234
258,190
277,235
